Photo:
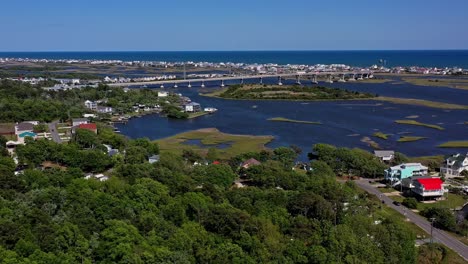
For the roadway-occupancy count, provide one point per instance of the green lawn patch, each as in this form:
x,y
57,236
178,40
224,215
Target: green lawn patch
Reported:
x,y
210,137
282,119
419,102
453,201
381,135
455,144
410,138
461,83
416,123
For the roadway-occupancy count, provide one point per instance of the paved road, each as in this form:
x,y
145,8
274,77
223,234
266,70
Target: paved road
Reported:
x,y
439,236
53,132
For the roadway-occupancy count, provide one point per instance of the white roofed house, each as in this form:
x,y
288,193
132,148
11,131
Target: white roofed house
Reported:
x,y
90,105
454,165
79,121
384,155
192,107
105,109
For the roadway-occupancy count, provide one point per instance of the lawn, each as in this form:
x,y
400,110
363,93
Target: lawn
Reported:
x,y
211,137
453,201
282,119
416,123
455,144
410,138
419,102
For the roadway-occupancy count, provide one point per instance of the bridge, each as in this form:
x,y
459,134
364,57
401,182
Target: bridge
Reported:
x,y
312,76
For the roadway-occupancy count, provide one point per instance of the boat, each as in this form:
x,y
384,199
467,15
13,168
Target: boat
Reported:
x,y
210,110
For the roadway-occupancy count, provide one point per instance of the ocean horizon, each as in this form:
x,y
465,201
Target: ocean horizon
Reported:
x,y
360,58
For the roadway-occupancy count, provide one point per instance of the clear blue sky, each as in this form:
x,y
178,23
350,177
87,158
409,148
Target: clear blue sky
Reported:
x,y
153,25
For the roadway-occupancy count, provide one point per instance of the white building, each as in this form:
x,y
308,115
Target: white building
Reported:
x,y
454,165
79,121
163,94
90,105
428,187
384,155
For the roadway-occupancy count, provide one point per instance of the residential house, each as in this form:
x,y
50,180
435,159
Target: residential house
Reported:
x,y
454,165
24,127
405,170
250,162
100,177
91,127
79,121
153,159
104,109
384,155
428,187
91,104
110,150
192,107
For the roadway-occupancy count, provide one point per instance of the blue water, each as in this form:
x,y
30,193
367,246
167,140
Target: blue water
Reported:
x,y
436,58
344,123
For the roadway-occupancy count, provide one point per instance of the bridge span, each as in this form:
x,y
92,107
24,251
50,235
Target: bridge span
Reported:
x,y
309,75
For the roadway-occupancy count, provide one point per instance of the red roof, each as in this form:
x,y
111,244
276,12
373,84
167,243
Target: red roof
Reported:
x,y
431,183
91,126
216,162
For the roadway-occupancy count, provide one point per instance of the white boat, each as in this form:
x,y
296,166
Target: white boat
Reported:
x,y
210,110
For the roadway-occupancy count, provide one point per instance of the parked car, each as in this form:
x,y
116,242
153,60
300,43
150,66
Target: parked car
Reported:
x,y
396,203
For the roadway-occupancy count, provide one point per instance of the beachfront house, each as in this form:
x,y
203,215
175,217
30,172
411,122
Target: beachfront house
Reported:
x,y
454,165
384,155
79,121
405,170
428,187
192,107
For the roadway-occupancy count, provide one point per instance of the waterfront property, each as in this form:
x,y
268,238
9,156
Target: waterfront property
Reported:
x,y
192,107
428,187
405,170
454,165
91,127
384,155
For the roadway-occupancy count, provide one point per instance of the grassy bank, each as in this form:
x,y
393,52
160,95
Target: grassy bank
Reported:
x,y
419,102
455,144
282,119
198,114
381,135
416,123
460,83
410,138
211,137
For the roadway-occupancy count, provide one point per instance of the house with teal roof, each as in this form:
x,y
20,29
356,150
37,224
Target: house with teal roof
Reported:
x,y
405,170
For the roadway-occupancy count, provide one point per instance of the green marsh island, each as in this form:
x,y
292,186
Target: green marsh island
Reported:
x,y
283,119
287,92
